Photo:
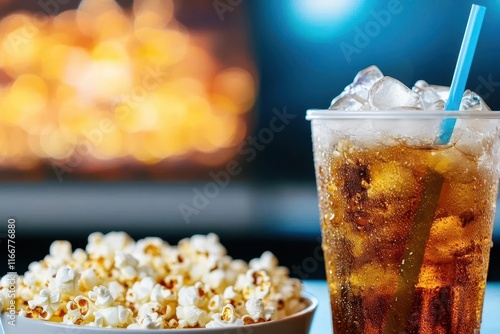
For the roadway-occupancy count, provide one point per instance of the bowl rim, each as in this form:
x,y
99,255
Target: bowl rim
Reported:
x,y
312,301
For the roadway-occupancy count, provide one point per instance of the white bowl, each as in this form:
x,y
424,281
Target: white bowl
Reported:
x,y
298,323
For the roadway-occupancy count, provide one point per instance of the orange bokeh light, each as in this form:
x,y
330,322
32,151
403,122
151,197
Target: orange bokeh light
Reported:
x,y
160,92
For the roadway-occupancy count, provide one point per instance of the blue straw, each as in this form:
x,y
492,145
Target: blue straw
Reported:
x,y
462,70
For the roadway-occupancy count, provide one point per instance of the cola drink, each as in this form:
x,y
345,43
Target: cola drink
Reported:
x,y
406,224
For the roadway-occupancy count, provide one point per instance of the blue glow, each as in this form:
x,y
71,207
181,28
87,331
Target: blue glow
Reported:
x,y
325,10
324,19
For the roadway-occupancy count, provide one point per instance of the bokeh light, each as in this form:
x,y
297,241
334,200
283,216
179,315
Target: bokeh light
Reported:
x,y
324,19
105,83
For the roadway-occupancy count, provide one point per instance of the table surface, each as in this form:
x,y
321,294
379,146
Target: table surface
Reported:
x,y
322,322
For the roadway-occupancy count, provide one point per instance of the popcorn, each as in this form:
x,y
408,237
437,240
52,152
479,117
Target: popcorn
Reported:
x,y
35,313
229,293
215,279
191,316
257,311
239,306
48,301
215,303
101,296
255,308
30,277
24,291
79,309
127,264
35,266
88,279
150,248
67,281
7,279
119,241
170,312
254,284
178,262
293,306
191,295
162,295
198,271
123,260
80,256
146,271
150,284
148,321
173,282
117,291
149,308
72,319
141,291
115,316
104,246
267,261
96,244
235,268
173,323
203,245
4,300
226,318
61,249
291,288
98,249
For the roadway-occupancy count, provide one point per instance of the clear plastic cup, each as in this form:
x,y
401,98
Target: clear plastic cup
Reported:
x,y
406,224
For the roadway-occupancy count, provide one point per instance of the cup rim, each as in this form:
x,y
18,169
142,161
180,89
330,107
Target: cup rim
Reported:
x,y
326,114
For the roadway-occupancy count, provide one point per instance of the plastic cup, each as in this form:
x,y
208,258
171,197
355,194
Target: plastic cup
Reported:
x,y
406,224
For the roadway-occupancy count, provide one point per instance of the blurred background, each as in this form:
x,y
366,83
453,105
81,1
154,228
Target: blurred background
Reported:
x,y
170,118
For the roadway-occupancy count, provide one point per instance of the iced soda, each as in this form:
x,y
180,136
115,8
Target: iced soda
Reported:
x,y
406,223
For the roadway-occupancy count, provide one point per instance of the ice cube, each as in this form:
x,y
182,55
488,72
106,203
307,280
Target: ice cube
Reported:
x,y
420,86
346,102
388,93
430,94
454,165
370,90
446,239
355,95
391,180
438,105
472,101
442,91
374,275
364,81
468,134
